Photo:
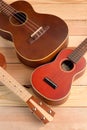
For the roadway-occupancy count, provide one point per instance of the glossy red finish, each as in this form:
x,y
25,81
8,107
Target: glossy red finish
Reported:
x,y
59,76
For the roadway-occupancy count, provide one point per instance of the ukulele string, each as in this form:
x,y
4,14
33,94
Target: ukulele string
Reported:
x,y
10,10
33,23
55,75
14,10
79,52
8,13
28,27
4,9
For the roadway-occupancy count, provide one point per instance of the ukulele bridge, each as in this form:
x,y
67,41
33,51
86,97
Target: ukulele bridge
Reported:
x,y
50,82
38,33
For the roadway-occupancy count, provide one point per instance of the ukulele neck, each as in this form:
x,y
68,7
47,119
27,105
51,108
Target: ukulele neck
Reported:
x,y
6,9
78,52
13,85
42,111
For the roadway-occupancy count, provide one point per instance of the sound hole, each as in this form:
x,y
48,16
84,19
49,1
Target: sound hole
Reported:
x,y
67,65
18,18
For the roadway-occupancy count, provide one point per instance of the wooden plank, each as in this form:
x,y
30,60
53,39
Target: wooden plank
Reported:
x,y
77,27
73,11
77,97
53,1
21,118
5,43
20,72
8,98
58,1
74,41
10,54
70,119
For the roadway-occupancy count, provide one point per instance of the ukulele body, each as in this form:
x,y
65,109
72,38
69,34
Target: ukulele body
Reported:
x,y
31,51
52,81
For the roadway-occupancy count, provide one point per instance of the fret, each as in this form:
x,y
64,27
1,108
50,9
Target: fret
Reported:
x,y
13,85
78,52
6,9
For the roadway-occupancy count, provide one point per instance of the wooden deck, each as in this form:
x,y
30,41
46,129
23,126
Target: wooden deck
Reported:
x,y
72,115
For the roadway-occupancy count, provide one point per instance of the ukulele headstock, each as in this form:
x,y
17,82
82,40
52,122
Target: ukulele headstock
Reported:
x,y
2,61
41,110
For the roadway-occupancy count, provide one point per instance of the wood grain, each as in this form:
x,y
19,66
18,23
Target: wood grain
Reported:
x,y
54,1
66,118
72,115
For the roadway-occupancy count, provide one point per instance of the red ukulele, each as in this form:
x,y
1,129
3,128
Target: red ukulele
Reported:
x,y
37,37
53,81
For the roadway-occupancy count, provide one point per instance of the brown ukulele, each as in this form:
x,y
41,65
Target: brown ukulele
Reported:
x,y
37,37
52,81
41,110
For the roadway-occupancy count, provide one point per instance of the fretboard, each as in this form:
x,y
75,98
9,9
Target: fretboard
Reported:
x,y
6,9
78,52
13,85
41,110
